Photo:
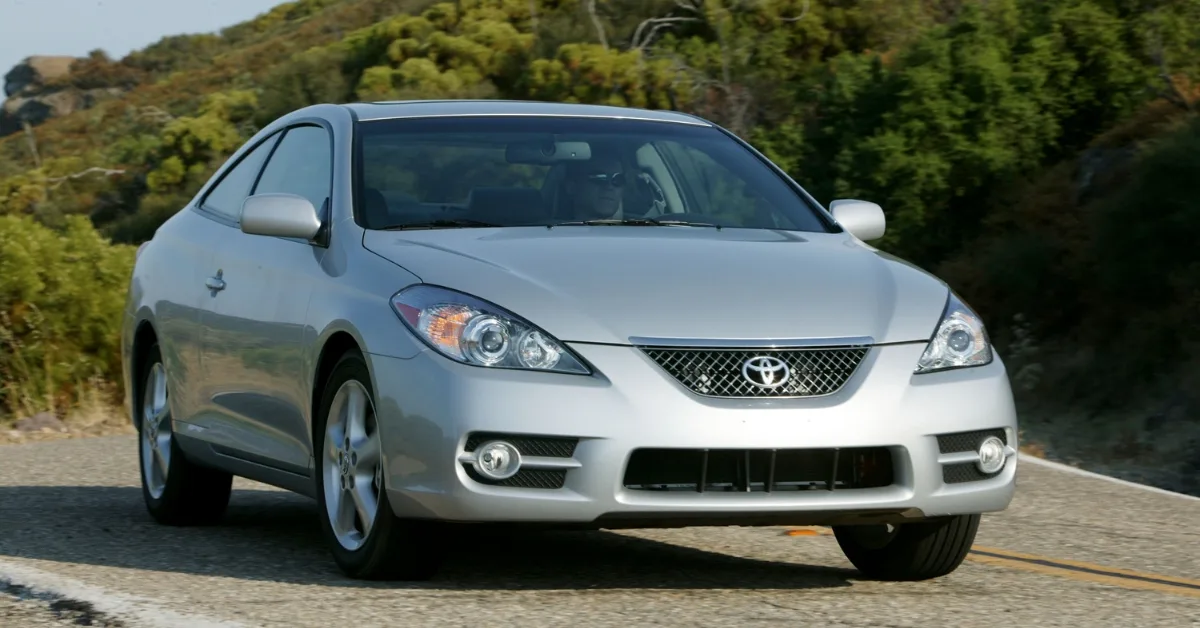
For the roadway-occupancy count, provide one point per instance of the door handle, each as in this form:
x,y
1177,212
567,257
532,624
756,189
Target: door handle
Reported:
x,y
215,283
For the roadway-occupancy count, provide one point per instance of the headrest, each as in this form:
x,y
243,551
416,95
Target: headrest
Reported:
x,y
506,205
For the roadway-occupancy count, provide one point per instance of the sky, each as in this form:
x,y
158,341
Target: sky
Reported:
x,y
76,27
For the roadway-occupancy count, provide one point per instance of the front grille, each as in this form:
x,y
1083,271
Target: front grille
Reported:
x,y
525,478
548,446
967,441
758,470
715,372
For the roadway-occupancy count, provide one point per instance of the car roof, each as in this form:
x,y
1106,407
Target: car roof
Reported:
x,y
440,108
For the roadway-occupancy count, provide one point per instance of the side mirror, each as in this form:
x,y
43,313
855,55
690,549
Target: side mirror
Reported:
x,y
281,215
861,218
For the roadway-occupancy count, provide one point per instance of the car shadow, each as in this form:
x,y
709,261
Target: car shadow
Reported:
x,y
274,536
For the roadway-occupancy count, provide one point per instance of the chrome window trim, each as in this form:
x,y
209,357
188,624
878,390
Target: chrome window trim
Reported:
x,y
529,115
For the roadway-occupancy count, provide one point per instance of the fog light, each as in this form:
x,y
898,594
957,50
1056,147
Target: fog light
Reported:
x,y
497,460
991,455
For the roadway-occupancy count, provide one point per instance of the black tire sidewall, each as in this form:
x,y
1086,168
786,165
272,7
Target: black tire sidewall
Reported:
x,y
907,555
153,356
193,494
351,366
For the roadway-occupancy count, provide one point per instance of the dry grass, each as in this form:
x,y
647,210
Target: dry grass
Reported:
x,y
1034,448
94,415
99,422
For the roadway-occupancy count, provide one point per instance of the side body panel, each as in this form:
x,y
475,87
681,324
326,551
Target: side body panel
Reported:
x,y
167,292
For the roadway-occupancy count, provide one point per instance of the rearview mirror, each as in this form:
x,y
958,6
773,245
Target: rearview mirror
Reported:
x,y
864,220
281,215
546,153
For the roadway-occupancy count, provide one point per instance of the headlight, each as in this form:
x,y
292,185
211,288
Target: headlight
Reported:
x,y
473,331
960,340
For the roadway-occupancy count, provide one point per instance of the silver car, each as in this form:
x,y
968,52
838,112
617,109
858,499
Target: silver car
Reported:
x,y
426,314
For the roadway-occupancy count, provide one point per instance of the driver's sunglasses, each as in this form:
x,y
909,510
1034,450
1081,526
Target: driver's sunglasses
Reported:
x,y
616,179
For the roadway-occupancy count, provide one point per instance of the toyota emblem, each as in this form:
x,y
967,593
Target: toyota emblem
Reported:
x,y
765,371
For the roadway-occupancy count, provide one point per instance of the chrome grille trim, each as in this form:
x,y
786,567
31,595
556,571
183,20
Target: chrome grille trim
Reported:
x,y
751,344
717,371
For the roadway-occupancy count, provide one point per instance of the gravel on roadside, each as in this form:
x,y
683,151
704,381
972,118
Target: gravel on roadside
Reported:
x,y
21,607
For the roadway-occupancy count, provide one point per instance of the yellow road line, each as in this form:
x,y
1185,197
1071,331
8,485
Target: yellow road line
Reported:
x,y
809,531
1073,569
1088,572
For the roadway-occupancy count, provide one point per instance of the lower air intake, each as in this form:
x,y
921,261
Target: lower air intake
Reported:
x,y
758,470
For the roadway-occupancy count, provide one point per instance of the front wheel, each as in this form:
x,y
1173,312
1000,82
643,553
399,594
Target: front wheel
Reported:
x,y
176,490
909,551
368,542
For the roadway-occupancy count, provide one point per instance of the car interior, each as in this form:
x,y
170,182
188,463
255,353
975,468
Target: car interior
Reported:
x,y
651,192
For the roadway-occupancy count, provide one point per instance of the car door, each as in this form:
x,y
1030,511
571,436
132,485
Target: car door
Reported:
x,y
254,331
193,238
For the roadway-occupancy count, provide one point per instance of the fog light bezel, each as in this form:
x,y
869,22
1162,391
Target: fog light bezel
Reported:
x,y
1000,446
477,461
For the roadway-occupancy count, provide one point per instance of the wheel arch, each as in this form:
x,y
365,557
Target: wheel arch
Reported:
x,y
145,335
335,345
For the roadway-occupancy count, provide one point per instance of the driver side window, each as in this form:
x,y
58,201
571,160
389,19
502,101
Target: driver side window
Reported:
x,y
226,197
303,165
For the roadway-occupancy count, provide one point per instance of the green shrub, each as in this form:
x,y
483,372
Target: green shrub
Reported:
x,y
61,300
1146,268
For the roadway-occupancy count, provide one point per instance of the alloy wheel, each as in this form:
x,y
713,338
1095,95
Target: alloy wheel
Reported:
x,y
351,466
156,431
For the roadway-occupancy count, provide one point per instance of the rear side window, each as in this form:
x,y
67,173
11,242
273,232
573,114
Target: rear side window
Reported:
x,y
303,165
227,196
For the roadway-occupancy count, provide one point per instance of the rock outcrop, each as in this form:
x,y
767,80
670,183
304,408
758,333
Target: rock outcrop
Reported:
x,y
39,88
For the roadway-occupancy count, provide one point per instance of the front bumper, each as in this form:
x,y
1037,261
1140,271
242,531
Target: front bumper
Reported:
x,y
429,406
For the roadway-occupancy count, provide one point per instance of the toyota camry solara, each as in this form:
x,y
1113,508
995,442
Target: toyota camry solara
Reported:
x,y
430,314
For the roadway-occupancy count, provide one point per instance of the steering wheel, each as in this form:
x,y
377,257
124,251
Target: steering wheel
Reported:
x,y
658,198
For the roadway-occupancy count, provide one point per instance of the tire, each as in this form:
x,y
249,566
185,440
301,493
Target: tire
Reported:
x,y
391,548
913,551
187,494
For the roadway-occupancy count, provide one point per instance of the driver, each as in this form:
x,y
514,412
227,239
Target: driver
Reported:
x,y
595,186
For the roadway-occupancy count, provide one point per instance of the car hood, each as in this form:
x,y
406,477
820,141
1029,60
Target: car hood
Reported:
x,y
610,284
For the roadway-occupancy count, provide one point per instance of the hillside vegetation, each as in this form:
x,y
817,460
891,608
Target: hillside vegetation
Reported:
x,y
1041,156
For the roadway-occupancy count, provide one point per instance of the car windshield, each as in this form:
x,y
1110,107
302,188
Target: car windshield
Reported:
x,y
509,171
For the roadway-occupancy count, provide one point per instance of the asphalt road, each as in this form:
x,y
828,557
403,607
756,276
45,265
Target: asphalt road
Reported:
x,y
76,546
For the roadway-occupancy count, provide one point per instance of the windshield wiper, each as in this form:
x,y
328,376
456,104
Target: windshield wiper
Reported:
x,y
637,222
688,223
442,223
